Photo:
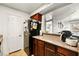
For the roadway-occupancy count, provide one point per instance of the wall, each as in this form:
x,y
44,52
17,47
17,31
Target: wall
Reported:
x,y
4,14
64,14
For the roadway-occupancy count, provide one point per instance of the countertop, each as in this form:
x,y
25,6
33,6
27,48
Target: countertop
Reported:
x,y
56,41
57,34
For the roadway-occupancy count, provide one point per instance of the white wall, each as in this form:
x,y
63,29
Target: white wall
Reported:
x,y
64,14
4,14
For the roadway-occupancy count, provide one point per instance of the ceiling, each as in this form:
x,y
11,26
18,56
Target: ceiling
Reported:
x,y
25,7
29,8
53,7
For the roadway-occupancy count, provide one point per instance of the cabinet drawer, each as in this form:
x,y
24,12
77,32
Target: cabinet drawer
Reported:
x,y
50,46
66,52
40,42
49,52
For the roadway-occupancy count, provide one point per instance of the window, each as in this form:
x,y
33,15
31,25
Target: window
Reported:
x,y
49,26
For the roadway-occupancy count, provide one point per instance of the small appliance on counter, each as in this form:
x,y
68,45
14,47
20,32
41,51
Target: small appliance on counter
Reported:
x,y
65,34
68,38
72,41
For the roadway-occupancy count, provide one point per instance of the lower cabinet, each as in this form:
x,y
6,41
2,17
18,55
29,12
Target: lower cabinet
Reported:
x,y
41,48
50,49
49,52
35,50
38,47
66,52
35,47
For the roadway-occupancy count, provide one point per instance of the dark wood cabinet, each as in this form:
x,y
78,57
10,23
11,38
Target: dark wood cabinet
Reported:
x,y
35,50
38,47
59,54
35,47
37,16
50,46
66,52
49,49
49,52
42,48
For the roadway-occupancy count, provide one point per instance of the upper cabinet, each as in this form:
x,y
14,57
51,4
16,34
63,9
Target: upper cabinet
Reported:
x,y
37,17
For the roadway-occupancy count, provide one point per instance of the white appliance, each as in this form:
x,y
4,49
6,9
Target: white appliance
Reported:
x,y
71,41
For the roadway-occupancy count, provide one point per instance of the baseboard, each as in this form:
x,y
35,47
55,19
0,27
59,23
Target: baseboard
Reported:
x,y
15,51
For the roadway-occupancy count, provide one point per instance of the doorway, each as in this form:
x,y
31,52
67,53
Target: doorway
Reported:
x,y
15,33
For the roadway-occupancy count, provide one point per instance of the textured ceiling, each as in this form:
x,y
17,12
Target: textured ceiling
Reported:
x,y
25,7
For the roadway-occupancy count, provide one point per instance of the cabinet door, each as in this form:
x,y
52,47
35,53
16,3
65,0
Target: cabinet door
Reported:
x,y
49,52
35,50
35,47
37,17
50,46
40,50
66,52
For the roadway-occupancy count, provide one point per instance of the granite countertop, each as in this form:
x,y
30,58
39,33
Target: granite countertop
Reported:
x,y
58,34
56,41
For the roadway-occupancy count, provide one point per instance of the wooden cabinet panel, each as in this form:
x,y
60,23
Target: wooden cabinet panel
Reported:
x,y
35,41
40,50
40,42
37,17
35,47
66,52
59,54
50,46
50,49
49,52
38,47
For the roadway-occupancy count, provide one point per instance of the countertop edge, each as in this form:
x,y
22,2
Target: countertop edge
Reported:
x,y
57,44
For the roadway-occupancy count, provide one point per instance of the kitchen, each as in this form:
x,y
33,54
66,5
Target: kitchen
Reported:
x,y
51,29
